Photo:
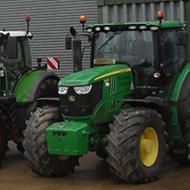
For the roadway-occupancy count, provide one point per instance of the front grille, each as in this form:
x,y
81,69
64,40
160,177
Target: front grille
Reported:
x,y
83,104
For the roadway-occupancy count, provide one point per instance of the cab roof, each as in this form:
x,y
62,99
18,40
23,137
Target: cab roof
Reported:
x,y
16,33
136,25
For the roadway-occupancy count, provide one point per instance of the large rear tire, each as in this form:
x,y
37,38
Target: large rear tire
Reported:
x,y
35,145
3,139
48,88
136,145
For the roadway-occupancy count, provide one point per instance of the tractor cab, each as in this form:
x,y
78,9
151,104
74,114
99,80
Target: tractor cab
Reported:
x,y
154,53
15,58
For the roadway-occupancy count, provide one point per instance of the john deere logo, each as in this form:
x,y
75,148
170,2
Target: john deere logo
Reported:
x,y
71,99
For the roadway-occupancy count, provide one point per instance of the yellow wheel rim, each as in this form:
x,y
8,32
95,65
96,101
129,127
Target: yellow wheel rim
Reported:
x,y
63,157
149,146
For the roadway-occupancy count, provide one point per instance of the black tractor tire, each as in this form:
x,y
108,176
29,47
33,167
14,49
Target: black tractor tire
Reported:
x,y
136,145
48,88
35,145
3,140
20,147
186,132
101,152
181,158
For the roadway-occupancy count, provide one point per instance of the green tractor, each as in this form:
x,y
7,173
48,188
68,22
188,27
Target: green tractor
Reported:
x,y
20,86
131,107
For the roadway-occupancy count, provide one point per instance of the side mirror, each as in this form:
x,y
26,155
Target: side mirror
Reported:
x,y
77,56
182,37
3,78
68,41
12,47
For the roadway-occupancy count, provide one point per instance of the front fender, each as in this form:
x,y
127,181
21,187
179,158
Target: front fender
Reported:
x,y
162,106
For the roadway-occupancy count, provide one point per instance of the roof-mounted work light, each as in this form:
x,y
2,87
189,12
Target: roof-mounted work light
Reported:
x,y
27,21
160,16
83,21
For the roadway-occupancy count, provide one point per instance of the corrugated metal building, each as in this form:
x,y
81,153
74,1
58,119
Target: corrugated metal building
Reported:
x,y
51,19
139,10
143,10
50,22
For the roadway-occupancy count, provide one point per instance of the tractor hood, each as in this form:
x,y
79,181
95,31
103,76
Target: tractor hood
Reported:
x,y
92,75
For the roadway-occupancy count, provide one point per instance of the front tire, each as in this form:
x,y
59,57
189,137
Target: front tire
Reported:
x,y
136,145
35,145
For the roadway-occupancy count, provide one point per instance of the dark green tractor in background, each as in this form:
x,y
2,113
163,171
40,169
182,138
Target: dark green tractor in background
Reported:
x,y
130,107
20,87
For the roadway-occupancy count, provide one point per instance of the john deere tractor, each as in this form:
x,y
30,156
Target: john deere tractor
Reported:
x,y
20,86
130,107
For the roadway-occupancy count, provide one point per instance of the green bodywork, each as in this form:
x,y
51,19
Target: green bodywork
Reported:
x,y
78,135
24,86
19,76
61,134
165,24
117,82
175,97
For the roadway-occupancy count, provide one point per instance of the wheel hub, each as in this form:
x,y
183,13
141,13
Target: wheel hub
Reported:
x,y
63,157
149,147
146,146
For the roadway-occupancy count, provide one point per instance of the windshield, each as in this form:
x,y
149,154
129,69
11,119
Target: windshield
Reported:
x,y
128,47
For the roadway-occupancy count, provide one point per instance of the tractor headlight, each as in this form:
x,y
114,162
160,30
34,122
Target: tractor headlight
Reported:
x,y
62,89
83,89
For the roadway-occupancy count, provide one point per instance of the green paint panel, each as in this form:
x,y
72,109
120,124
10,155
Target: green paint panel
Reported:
x,y
179,82
68,138
88,76
116,81
165,24
175,97
24,86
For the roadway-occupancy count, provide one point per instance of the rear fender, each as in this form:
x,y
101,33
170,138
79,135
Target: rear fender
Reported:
x,y
38,82
27,88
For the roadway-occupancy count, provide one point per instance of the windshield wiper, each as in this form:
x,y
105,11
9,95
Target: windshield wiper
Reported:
x,y
118,32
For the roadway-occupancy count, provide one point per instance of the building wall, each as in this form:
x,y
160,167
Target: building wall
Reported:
x,y
50,22
139,10
113,11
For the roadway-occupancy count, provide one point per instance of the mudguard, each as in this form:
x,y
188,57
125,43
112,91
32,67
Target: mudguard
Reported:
x,y
27,87
180,99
